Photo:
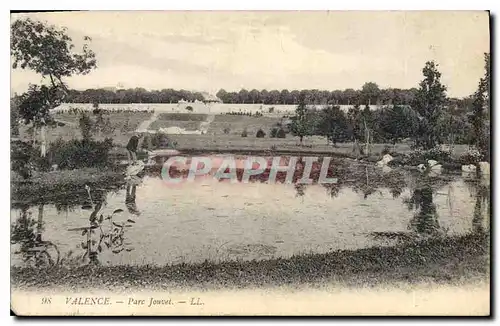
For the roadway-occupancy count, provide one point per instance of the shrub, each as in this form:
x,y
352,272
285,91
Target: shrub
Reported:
x,y
108,128
85,123
386,150
422,156
273,133
20,158
226,130
126,126
472,156
78,153
260,134
145,142
244,133
281,133
189,108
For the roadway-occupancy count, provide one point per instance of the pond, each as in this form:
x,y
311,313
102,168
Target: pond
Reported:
x,y
156,223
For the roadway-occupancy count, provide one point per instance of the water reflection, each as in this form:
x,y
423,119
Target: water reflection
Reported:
x,y
130,197
26,233
425,221
482,207
148,221
104,231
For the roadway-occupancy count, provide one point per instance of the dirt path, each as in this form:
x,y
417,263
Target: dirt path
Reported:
x,y
206,124
143,126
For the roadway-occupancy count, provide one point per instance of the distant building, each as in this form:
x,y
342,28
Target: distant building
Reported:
x,y
209,98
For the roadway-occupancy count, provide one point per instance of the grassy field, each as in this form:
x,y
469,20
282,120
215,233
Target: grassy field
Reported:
x,y
216,139
118,119
187,125
451,260
237,123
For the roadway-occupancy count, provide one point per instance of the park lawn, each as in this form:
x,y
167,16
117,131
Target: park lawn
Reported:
x,y
187,125
235,124
449,260
314,144
125,123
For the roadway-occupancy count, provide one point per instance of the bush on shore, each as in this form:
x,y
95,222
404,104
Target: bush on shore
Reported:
x,y
260,134
79,153
281,133
422,156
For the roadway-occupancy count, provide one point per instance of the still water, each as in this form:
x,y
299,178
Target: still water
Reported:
x,y
159,224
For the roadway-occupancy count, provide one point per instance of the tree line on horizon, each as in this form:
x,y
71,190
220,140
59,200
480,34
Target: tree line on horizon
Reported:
x,y
369,94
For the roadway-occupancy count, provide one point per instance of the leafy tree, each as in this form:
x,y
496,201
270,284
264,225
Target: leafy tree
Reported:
x,y
243,96
397,123
223,95
48,51
14,116
285,97
351,96
260,133
429,102
355,124
481,112
274,132
334,124
86,125
274,97
301,126
370,93
254,96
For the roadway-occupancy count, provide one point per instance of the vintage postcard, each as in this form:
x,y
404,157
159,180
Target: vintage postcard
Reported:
x,y
222,163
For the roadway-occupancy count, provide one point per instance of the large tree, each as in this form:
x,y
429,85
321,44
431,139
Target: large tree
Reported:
x,y
480,118
301,125
429,102
397,122
48,51
334,124
370,93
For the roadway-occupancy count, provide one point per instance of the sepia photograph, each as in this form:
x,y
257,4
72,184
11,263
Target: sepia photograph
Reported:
x,y
250,163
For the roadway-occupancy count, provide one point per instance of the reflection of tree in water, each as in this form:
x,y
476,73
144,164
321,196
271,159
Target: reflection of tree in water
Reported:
x,y
27,232
103,232
300,189
22,231
333,189
482,208
369,180
425,221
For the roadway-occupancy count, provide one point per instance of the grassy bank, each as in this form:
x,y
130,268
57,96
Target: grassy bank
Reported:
x,y
45,186
449,260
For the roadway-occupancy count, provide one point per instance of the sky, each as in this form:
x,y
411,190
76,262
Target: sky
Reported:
x,y
328,50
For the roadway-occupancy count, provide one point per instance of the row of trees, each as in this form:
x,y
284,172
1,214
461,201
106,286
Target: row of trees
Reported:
x,y
428,120
133,95
369,94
